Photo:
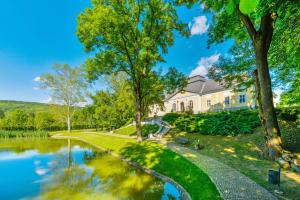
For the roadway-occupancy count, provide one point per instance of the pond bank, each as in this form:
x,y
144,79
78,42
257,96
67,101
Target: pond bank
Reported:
x,y
157,159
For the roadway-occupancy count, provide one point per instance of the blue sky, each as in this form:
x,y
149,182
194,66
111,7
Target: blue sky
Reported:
x,y
35,34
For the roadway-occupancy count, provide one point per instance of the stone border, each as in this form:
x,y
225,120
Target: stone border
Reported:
x,y
184,194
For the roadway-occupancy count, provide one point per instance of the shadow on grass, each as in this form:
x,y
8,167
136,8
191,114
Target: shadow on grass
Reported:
x,y
244,153
168,163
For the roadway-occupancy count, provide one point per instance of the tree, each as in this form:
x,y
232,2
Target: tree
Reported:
x,y
103,110
257,21
44,121
114,107
67,87
129,36
2,115
18,120
174,80
291,97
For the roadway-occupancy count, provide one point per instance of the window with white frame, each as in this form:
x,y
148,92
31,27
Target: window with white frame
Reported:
x,y
208,102
242,98
174,107
191,104
227,101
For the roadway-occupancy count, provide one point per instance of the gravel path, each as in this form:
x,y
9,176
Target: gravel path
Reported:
x,y
231,184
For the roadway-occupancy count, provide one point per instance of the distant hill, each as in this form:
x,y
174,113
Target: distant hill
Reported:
x,y
7,105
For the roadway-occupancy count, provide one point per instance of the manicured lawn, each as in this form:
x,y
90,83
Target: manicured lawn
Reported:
x,y
244,153
158,158
128,130
131,130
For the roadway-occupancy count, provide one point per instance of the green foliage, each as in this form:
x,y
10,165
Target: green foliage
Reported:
x,y
130,37
46,120
231,6
23,134
27,106
174,80
1,114
220,123
67,87
283,54
248,6
171,117
112,109
298,121
290,135
291,96
149,129
288,113
18,120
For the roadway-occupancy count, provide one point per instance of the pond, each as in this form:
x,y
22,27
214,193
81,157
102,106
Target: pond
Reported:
x,y
60,169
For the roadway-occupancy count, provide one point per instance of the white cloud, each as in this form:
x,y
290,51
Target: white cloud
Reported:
x,y
37,79
198,26
204,64
36,88
4,156
49,100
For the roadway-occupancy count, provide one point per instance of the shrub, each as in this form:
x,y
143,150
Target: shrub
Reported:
x,y
288,113
220,123
171,117
149,128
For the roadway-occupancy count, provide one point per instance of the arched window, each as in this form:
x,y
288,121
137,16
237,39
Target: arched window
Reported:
x,y
191,104
182,106
174,107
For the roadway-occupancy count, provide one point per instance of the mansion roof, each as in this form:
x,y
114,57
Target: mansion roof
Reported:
x,y
200,85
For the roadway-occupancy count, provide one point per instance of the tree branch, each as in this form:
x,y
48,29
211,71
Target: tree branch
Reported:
x,y
266,28
247,22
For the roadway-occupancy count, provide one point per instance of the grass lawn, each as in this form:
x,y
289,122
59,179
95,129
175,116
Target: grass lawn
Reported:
x,y
158,158
244,153
131,130
128,130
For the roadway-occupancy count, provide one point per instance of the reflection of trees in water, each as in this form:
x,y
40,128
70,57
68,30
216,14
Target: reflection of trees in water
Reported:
x,y
42,145
101,177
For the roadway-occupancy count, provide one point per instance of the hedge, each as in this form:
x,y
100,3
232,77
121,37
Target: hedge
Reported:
x,y
218,123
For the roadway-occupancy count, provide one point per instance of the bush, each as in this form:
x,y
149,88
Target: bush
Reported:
x,y
288,113
149,129
171,117
220,123
23,134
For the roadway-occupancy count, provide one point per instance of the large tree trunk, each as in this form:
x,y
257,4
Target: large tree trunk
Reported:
x,y
258,99
261,40
273,145
138,120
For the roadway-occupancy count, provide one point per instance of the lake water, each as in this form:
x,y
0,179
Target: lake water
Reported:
x,y
62,169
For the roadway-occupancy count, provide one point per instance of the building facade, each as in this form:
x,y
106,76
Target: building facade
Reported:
x,y
203,95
